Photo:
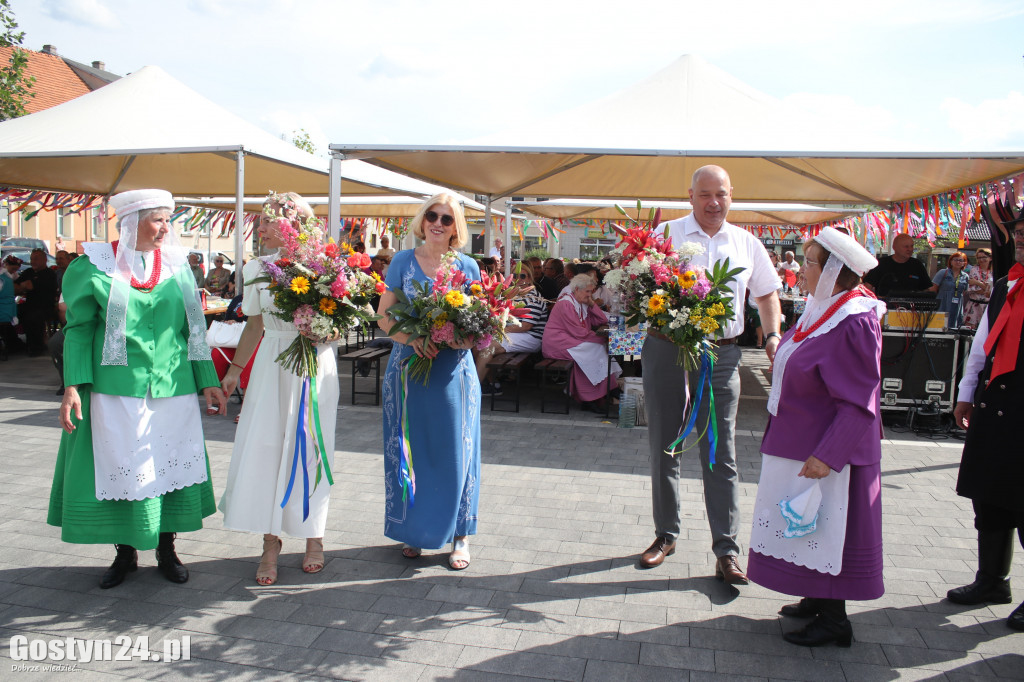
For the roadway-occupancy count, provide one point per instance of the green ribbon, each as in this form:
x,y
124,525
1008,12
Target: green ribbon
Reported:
x,y
315,402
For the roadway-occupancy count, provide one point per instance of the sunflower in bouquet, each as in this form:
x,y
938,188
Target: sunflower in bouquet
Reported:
x,y
451,309
659,286
317,285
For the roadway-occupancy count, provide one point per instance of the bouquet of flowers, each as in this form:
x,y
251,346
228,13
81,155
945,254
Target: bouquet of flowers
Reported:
x,y
658,285
451,309
319,287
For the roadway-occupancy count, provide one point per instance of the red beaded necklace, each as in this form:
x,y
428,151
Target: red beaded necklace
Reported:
x,y
154,277
799,335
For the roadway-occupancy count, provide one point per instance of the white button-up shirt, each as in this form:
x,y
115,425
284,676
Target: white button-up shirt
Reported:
x,y
976,359
743,250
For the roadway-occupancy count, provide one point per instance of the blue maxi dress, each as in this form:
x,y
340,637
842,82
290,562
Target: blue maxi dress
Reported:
x,y
444,433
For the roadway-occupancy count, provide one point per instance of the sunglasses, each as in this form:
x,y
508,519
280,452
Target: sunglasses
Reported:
x,y
446,220
523,275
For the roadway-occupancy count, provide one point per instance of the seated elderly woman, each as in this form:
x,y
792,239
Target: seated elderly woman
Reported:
x,y
570,335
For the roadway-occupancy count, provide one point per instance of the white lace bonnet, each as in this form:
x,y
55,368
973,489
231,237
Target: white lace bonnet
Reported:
x,y
127,206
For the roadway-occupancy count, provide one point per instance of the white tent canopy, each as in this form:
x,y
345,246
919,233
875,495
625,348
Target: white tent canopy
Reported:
x,y
741,213
373,206
150,130
647,141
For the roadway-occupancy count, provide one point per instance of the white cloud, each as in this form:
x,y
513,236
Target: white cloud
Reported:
x,y
88,12
988,124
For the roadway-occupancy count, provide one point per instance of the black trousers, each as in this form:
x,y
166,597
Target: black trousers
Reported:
x,y
991,517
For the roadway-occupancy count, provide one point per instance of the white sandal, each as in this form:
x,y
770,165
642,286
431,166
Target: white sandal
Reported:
x,y
460,553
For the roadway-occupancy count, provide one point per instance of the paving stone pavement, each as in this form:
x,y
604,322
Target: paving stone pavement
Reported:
x,y
553,592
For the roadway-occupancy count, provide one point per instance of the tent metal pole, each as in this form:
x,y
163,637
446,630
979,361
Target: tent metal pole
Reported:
x,y
239,219
508,238
334,198
487,226
121,174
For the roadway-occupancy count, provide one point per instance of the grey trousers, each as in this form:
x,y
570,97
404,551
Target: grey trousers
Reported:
x,y
664,396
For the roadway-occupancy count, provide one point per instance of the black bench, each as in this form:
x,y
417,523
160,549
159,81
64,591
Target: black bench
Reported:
x,y
508,367
551,369
373,356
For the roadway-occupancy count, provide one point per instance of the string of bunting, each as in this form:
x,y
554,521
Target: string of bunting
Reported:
x,y
32,202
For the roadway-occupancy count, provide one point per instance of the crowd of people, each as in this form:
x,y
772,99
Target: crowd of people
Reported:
x,y
134,357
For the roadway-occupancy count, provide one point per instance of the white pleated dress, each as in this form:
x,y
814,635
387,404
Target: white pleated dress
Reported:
x,y
261,462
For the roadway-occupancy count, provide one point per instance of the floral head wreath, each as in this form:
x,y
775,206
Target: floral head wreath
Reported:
x,y
289,211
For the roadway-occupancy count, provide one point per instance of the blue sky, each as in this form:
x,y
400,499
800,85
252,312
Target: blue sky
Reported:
x,y
938,74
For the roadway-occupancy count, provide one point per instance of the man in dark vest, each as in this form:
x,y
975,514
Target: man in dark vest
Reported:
x,y
992,468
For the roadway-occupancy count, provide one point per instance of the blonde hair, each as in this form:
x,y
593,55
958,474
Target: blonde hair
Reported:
x,y
276,205
461,235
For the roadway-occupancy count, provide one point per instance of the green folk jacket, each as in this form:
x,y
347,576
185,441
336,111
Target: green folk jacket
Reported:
x,y
156,336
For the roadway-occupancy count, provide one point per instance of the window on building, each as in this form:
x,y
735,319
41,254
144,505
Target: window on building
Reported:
x,y
595,249
97,226
65,224
6,219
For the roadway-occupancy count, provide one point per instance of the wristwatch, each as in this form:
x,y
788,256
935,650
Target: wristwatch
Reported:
x,y
771,334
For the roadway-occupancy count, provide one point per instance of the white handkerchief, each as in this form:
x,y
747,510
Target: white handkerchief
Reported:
x,y
801,512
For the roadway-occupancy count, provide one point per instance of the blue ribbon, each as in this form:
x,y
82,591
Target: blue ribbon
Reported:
x,y
300,452
707,367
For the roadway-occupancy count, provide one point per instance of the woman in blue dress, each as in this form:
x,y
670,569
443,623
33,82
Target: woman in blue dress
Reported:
x,y
951,285
443,416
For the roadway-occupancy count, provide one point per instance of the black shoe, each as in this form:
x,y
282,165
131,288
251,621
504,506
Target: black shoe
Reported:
x,y
1016,619
60,391
168,562
127,560
984,590
808,607
991,583
489,389
822,630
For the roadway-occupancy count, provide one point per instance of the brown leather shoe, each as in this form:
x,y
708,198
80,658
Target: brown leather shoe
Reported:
x,y
728,570
657,552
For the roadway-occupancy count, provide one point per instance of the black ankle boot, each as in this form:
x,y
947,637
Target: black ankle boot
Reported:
x,y
127,560
168,562
1016,619
831,625
991,583
808,607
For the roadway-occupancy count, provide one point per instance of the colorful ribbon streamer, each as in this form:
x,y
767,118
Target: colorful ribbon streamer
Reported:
x,y
305,426
406,474
707,366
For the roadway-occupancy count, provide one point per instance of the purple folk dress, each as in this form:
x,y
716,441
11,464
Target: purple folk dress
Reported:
x,y
829,408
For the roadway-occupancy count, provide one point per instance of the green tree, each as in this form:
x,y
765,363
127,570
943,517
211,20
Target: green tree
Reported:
x,y
300,138
15,86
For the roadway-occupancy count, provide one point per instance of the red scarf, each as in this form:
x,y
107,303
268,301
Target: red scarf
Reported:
x,y
1005,333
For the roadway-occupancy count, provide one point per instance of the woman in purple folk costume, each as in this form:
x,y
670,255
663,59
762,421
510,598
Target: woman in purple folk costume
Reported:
x,y
817,528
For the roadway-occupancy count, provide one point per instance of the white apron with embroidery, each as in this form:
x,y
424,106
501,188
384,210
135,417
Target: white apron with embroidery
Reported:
x,y
143,447
821,550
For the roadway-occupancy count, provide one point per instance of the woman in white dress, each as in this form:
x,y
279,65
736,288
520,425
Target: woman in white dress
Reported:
x,y
261,462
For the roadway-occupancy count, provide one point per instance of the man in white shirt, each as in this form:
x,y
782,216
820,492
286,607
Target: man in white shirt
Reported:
x,y
711,196
496,250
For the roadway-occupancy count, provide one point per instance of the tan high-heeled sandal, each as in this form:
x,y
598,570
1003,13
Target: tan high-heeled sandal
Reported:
x,y
266,572
313,561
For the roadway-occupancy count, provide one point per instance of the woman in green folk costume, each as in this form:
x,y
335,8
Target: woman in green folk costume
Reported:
x,y
132,467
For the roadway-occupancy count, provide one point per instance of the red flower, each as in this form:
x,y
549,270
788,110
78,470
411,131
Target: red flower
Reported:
x,y
282,263
380,287
332,250
359,260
